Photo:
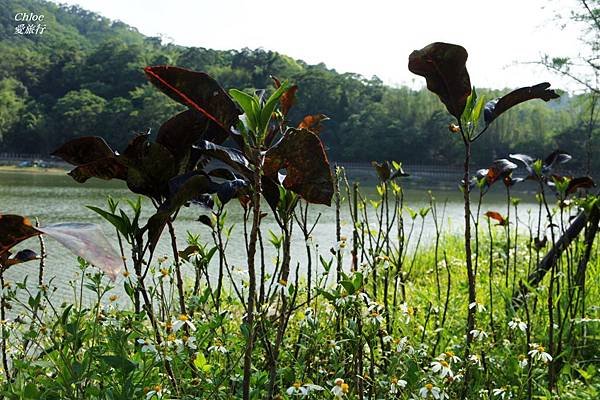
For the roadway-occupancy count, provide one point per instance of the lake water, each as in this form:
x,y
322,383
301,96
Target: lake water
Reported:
x,y
57,198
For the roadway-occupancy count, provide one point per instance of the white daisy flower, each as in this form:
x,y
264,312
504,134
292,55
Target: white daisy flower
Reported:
x,y
181,321
479,334
449,356
442,367
480,307
523,362
157,392
430,391
218,347
340,389
475,359
297,390
516,323
147,346
300,390
501,392
539,353
396,384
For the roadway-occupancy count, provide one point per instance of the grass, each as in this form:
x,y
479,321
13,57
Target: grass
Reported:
x,y
390,325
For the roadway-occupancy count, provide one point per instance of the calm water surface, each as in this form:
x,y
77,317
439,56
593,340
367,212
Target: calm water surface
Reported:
x,y
57,198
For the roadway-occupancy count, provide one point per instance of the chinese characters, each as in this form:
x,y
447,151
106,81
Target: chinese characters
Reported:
x,y
29,28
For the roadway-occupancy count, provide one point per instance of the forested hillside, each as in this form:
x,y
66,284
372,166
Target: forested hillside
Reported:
x,y
83,76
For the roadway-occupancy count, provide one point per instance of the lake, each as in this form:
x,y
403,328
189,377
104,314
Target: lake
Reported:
x,y
58,198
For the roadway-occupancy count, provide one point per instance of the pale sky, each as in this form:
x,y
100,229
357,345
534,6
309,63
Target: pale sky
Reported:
x,y
368,37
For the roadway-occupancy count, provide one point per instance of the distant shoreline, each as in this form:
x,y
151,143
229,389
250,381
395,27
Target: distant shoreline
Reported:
x,y
33,170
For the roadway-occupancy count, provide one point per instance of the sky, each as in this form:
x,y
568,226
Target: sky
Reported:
x,y
371,37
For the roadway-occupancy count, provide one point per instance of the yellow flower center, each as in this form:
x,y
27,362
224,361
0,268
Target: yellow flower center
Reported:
x,y
184,317
164,272
541,349
444,364
429,386
157,388
449,354
283,282
125,274
171,337
113,297
394,380
297,385
374,314
345,388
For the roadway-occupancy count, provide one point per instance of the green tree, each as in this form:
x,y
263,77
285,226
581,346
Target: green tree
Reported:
x,y
78,113
13,96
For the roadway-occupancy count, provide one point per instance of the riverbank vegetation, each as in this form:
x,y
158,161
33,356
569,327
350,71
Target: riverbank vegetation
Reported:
x,y
390,324
84,72
510,310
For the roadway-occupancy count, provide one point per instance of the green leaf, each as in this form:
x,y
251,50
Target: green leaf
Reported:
x,y
476,113
245,330
249,105
114,220
327,295
267,111
119,363
201,364
358,280
31,391
349,286
468,111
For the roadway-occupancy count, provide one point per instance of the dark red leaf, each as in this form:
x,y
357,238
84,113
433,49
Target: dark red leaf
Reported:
x,y
287,99
105,168
383,170
556,157
583,182
84,150
196,90
150,167
205,219
183,130
496,216
301,154
13,230
444,67
93,158
313,122
230,156
496,107
21,257
499,170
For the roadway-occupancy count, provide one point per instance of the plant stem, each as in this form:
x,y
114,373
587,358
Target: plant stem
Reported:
x,y
180,289
471,277
252,276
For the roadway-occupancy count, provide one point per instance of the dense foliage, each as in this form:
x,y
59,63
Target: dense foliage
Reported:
x,y
84,76
375,316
